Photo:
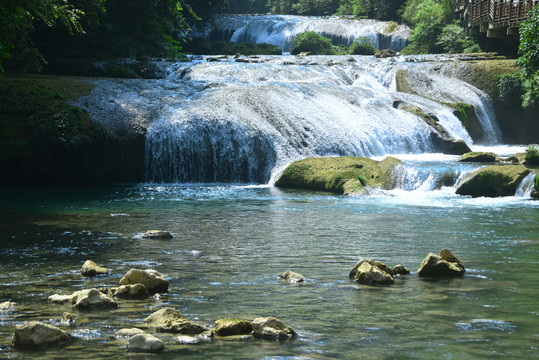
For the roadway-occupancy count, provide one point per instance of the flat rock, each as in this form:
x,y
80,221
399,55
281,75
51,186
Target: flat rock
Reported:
x,y
145,343
128,332
479,157
271,328
154,281
157,234
36,335
291,276
85,300
169,320
231,327
90,269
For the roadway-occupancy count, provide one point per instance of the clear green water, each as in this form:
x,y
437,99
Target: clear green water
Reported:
x,y
230,242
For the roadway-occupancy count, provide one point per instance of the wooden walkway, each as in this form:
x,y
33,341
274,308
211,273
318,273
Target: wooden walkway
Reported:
x,y
496,18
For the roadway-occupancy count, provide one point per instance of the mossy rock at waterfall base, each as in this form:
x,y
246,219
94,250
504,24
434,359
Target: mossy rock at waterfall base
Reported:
x,y
493,181
340,175
46,140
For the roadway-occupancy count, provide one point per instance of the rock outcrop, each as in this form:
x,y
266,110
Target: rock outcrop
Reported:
x,y
154,281
128,332
291,276
341,175
368,274
169,320
482,157
447,264
132,292
231,327
90,269
36,335
157,234
88,299
493,181
145,343
271,328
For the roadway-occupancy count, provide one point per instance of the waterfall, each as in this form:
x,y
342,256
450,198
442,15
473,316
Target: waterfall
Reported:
x,y
525,188
280,30
227,121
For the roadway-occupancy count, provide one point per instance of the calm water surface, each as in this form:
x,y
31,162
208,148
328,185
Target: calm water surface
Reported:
x,y
230,242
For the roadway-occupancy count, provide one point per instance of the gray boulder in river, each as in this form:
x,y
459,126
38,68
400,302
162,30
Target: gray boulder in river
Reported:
x,y
154,281
145,343
169,320
88,299
36,335
271,328
90,268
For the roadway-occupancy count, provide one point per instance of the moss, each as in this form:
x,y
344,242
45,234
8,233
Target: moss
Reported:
x,y
493,181
340,175
207,47
532,155
391,27
479,157
484,74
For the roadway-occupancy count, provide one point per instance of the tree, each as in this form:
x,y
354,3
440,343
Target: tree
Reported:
x,y
312,42
529,58
453,39
17,21
373,9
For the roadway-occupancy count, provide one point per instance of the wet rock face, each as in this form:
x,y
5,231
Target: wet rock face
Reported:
x,y
154,281
169,320
36,335
90,269
271,328
145,343
231,327
493,181
447,264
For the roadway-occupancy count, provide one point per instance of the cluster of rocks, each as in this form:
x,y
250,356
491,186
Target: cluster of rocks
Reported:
x,y
138,284
370,272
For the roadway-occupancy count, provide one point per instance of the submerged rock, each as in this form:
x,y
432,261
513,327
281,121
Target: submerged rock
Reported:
x,y
7,306
85,300
291,276
493,181
136,291
400,270
90,268
479,157
271,328
169,320
231,327
68,319
157,234
145,343
341,175
447,264
128,332
36,335
154,281
386,53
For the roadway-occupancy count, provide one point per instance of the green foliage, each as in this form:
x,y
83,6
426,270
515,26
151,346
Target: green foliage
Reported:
x,y
200,46
312,42
529,58
303,7
510,88
373,9
427,19
453,39
362,46
532,155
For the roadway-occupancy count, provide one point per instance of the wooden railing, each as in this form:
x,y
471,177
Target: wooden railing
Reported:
x,y
496,12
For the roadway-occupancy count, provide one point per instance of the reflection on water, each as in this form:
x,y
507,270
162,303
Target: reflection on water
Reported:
x,y
229,244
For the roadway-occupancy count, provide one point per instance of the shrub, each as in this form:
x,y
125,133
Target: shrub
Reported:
x,y
510,88
532,155
312,42
362,46
453,39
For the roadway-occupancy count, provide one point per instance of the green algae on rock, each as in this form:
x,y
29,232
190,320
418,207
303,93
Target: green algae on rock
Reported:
x,y
479,157
340,175
493,181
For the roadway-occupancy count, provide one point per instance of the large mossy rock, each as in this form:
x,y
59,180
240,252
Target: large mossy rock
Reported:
x,y
271,328
479,157
447,264
231,327
535,191
36,335
88,299
130,292
369,274
493,181
157,234
341,175
169,320
154,281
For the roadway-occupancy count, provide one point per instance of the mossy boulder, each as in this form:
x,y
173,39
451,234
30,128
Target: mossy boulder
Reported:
x,y
466,114
90,269
131,292
271,328
232,327
169,320
291,276
37,335
535,191
154,281
479,157
493,181
157,234
340,175
88,299
145,343
372,272
447,264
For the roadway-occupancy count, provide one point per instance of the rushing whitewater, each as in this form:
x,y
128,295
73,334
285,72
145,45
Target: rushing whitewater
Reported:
x,y
280,30
230,121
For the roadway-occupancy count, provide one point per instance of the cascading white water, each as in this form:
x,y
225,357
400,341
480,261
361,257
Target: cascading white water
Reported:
x,y
245,122
525,188
280,30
